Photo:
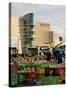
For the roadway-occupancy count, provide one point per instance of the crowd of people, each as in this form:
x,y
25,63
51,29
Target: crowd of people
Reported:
x,y
53,53
26,69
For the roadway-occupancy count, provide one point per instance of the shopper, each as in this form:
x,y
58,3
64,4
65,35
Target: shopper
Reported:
x,y
48,55
59,57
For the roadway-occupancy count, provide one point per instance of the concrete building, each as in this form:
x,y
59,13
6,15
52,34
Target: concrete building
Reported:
x,y
43,35
34,33
42,26
14,35
28,29
26,24
24,32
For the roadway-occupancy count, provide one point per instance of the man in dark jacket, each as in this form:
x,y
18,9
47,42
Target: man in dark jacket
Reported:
x,y
48,55
59,57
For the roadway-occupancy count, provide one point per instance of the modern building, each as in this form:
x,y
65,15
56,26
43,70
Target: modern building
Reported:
x,y
26,24
28,29
26,33
34,34
42,26
14,35
21,31
43,35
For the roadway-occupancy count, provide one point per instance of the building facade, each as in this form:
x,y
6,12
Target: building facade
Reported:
x,y
26,24
43,35
14,34
28,29
25,33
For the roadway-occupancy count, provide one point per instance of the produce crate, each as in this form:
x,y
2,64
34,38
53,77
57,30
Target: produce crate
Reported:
x,y
13,68
50,80
40,70
14,79
21,79
30,75
58,71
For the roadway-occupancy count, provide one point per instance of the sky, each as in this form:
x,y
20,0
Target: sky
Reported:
x,y
53,14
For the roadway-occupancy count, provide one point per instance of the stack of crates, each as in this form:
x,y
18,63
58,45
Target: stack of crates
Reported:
x,y
40,69
14,78
21,78
58,71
